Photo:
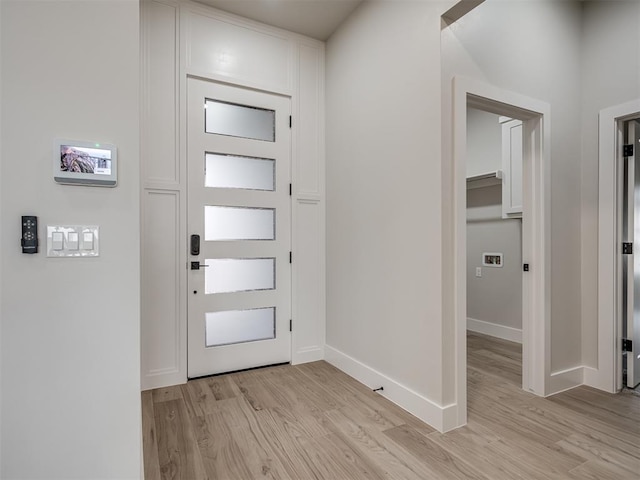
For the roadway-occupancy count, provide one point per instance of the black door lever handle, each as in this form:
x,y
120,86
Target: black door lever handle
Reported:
x,y
197,266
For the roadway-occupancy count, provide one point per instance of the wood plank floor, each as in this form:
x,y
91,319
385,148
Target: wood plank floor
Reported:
x,y
312,421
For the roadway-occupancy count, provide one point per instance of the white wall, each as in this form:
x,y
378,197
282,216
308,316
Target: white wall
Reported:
x,y
384,210
496,297
610,76
70,327
533,48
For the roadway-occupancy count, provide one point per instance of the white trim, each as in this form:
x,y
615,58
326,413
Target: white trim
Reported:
x,y
307,355
495,330
605,375
441,418
565,380
485,180
535,115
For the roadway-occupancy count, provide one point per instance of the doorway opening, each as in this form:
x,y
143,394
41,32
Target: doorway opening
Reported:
x,y
534,117
613,123
629,208
494,249
239,219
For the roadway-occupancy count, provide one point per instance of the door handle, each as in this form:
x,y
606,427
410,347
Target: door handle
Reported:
x,y
197,266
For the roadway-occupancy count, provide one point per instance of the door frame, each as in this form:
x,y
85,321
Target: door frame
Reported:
x,y
607,375
198,88
535,115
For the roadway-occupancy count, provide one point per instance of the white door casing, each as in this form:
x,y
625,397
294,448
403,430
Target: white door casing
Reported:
x,y
215,290
535,116
607,374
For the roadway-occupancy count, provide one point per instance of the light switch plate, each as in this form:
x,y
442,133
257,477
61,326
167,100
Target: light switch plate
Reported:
x,y
77,241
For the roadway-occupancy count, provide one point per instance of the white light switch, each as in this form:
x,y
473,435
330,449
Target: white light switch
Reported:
x,y
72,241
57,240
87,241
478,272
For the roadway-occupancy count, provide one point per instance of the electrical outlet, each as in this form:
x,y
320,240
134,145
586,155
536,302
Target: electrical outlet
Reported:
x,y
478,271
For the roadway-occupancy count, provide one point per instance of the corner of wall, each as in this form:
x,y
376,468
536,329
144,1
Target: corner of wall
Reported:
x,y
442,418
564,380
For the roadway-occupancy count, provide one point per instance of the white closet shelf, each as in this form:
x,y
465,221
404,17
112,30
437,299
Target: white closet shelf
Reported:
x,y
484,179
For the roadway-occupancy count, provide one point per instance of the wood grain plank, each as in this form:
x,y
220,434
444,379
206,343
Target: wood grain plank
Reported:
x,y
590,449
337,384
599,470
334,457
149,438
166,394
313,421
285,434
496,363
534,463
402,416
477,341
374,445
444,462
509,425
472,441
256,448
221,455
548,413
333,380
177,449
301,422
370,418
612,407
201,396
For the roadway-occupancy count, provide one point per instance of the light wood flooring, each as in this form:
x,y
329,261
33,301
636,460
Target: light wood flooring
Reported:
x,y
312,421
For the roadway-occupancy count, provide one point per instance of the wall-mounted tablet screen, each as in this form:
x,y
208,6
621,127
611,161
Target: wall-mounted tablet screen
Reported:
x,y
85,163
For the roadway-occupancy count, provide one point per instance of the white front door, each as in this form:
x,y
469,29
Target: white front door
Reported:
x,y
239,217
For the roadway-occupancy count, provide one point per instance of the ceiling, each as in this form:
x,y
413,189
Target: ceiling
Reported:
x,y
313,18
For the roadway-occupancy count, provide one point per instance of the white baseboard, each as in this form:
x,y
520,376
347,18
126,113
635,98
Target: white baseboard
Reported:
x,y
162,380
495,330
307,355
440,418
596,378
564,380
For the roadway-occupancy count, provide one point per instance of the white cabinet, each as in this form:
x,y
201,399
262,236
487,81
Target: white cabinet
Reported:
x,y
484,180
511,168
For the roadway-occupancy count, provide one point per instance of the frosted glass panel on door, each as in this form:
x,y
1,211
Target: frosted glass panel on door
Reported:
x,y
232,171
240,121
239,223
238,326
224,275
